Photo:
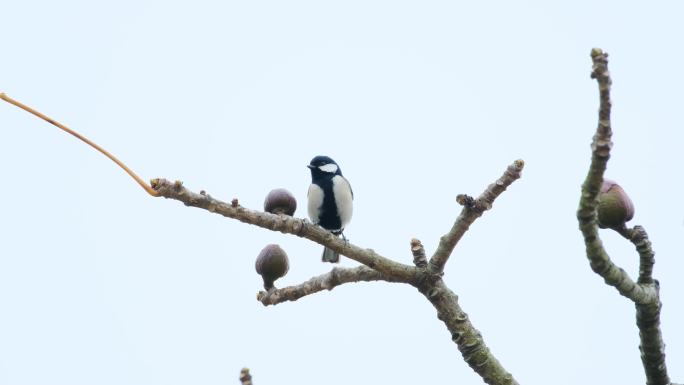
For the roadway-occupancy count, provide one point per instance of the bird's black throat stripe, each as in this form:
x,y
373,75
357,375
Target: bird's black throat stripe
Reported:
x,y
328,218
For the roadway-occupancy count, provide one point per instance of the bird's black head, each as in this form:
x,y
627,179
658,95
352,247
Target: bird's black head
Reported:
x,y
322,165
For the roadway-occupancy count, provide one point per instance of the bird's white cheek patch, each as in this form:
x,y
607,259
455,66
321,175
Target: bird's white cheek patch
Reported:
x,y
330,167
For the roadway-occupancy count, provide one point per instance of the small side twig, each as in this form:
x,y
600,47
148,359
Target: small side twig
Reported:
x,y
639,238
328,281
472,209
418,252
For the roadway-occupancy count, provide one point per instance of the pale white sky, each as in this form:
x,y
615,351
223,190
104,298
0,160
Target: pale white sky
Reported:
x,y
417,101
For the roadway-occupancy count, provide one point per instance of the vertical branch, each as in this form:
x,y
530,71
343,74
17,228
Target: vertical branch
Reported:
x,y
651,344
645,292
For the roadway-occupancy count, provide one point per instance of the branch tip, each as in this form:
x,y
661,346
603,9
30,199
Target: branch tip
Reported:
x,y
418,252
465,200
245,377
519,164
595,52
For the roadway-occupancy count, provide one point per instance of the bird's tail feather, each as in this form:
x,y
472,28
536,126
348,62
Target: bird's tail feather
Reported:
x,y
330,255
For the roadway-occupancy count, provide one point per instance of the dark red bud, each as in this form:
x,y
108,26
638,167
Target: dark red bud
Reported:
x,y
272,263
280,201
614,206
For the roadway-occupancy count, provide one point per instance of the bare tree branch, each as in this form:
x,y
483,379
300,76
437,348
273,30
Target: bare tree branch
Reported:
x,y
286,224
639,238
472,209
651,345
328,281
587,214
645,293
469,340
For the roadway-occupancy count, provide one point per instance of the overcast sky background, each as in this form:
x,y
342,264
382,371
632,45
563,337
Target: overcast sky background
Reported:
x,y
417,101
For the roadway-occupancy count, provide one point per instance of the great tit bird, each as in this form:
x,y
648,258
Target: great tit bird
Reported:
x,y
330,200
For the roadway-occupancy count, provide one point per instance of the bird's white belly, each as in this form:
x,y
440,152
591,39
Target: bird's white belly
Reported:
x,y
315,202
343,199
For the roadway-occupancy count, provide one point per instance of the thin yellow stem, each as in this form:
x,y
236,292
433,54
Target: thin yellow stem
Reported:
x,y
130,172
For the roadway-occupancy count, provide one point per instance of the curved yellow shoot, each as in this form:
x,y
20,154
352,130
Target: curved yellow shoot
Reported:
x,y
130,172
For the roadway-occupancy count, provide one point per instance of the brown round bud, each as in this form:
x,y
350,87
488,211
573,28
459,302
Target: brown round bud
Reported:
x,y
280,201
614,206
271,264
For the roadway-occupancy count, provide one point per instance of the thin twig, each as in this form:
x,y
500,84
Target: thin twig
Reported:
x,y
472,209
92,144
328,281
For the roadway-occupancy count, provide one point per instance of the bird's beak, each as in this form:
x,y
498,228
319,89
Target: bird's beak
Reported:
x,y
310,166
